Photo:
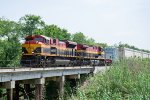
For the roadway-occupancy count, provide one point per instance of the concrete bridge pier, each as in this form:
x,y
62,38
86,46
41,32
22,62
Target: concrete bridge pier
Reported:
x,y
9,87
61,81
39,85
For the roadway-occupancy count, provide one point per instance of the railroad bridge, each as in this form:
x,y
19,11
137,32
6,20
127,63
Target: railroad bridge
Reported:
x,y
10,79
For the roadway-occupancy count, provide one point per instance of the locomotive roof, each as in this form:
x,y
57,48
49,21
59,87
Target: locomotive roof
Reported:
x,y
45,37
61,42
69,42
86,46
48,38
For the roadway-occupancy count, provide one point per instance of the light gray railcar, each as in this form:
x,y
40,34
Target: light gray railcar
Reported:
x,y
131,53
116,54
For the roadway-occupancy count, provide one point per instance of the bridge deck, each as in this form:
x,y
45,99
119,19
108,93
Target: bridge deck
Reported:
x,y
33,73
2,70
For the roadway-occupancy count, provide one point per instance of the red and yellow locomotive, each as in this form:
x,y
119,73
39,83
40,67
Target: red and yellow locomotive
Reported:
x,y
41,51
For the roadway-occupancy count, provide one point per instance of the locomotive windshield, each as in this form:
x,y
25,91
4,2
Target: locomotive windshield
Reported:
x,y
38,39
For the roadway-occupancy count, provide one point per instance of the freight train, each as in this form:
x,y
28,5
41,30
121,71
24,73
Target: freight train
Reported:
x,y
42,51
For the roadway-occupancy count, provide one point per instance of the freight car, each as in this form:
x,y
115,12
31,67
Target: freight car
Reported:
x,y
41,51
130,53
116,54
111,53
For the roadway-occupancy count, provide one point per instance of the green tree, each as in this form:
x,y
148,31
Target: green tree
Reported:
x,y
9,40
56,32
90,41
102,44
8,28
79,38
30,23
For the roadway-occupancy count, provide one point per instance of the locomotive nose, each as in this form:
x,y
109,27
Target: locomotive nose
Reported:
x,y
30,50
27,49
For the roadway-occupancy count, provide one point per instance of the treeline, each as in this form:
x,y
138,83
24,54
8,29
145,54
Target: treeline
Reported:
x,y
133,47
12,32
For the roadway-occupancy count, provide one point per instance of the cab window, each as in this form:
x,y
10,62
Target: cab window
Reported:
x,y
38,39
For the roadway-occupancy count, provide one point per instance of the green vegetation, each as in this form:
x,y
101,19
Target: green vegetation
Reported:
x,y
10,46
128,79
31,23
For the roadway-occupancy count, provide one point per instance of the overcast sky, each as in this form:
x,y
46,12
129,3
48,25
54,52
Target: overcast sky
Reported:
x,y
107,21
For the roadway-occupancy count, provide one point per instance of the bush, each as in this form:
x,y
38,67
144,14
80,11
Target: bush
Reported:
x,y
128,79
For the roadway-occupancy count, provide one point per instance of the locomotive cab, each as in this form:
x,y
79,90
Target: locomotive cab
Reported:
x,y
33,47
33,44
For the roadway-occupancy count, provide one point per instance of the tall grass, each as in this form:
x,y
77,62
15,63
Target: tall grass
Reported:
x,y
128,79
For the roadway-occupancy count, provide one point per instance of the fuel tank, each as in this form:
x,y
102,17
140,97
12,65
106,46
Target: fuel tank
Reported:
x,y
59,61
